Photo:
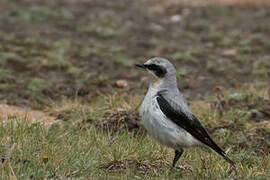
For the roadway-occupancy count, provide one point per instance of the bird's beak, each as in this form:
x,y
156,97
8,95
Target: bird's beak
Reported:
x,y
141,66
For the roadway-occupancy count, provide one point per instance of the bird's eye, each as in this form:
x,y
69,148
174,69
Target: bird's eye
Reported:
x,y
158,70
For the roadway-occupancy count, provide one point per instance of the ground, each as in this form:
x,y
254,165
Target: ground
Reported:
x,y
70,63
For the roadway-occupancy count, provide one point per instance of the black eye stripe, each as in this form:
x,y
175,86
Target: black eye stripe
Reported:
x,y
152,67
158,70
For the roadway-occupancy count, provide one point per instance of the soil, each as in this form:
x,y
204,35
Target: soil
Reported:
x,y
213,45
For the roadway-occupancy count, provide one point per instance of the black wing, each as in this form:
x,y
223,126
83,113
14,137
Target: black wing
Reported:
x,y
190,124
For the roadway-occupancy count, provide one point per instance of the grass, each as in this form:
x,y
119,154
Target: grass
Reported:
x,y
66,151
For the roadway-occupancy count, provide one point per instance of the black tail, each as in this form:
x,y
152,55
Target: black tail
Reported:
x,y
216,148
226,158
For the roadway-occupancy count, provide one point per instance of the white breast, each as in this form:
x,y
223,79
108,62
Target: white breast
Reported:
x,y
160,127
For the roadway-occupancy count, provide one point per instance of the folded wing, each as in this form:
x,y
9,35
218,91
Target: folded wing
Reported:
x,y
188,122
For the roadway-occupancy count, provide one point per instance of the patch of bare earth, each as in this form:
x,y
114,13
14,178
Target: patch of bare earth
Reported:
x,y
8,113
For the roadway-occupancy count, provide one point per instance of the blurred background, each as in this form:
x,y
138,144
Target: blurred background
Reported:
x,y
50,49
70,65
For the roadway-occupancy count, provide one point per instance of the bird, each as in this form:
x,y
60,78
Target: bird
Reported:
x,y
166,116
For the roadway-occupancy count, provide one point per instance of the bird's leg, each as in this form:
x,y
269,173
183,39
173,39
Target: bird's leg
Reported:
x,y
177,155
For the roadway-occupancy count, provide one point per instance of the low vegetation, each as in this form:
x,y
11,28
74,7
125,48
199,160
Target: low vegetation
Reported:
x,y
76,146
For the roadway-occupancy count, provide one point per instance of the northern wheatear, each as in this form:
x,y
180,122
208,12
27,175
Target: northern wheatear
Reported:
x,y
167,117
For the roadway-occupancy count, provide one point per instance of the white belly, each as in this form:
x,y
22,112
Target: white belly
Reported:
x,y
162,129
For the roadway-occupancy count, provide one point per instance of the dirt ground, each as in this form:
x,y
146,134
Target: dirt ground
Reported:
x,y
65,49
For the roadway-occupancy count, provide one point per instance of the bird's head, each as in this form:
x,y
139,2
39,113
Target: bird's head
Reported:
x,y
160,68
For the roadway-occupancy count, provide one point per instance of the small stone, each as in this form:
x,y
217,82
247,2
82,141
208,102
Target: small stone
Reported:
x,y
121,83
176,18
44,62
229,52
